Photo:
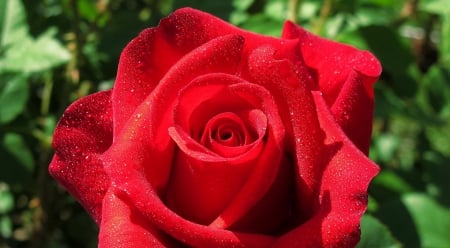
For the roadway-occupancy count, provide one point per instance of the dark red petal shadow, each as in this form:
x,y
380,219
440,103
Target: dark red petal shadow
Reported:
x,y
343,192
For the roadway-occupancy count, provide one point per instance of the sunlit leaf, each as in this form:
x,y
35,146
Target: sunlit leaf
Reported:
x,y
13,25
30,55
270,27
431,219
242,4
6,226
435,6
417,220
6,200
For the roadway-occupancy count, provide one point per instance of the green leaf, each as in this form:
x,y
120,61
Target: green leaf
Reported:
x,y
87,9
392,181
30,55
439,137
436,172
242,4
276,10
6,199
431,219
271,27
395,56
435,6
445,40
417,220
376,234
386,145
17,160
6,226
13,96
440,7
13,25
435,88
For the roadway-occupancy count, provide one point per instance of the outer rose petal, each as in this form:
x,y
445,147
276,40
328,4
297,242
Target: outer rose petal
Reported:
x,y
124,227
343,191
345,75
82,134
330,207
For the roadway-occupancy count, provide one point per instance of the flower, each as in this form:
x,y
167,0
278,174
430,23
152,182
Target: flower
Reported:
x,y
217,137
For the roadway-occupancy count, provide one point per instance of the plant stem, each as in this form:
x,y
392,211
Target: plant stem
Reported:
x,y
325,11
46,93
293,9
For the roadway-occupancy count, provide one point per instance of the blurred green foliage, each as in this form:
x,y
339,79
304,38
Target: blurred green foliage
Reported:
x,y
55,51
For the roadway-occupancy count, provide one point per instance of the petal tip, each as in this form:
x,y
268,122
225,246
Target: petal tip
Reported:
x,y
368,65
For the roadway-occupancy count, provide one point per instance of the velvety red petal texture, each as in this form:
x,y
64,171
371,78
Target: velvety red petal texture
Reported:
x,y
218,137
343,191
81,136
297,109
123,227
345,76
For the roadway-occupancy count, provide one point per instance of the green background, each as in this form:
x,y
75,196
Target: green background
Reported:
x,y
55,51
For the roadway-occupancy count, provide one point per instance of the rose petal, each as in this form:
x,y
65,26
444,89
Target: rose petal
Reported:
x,y
195,150
193,192
149,56
146,136
138,162
187,232
189,28
274,214
267,167
207,97
343,191
345,75
297,110
255,120
225,130
196,195
122,227
81,136
353,110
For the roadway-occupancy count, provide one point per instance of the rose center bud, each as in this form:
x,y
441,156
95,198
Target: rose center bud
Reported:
x,y
209,172
227,156
219,137
226,132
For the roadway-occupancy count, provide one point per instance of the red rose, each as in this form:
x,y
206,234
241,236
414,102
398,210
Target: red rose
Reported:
x,y
218,137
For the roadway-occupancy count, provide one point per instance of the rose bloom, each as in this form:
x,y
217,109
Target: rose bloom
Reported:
x,y
218,137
